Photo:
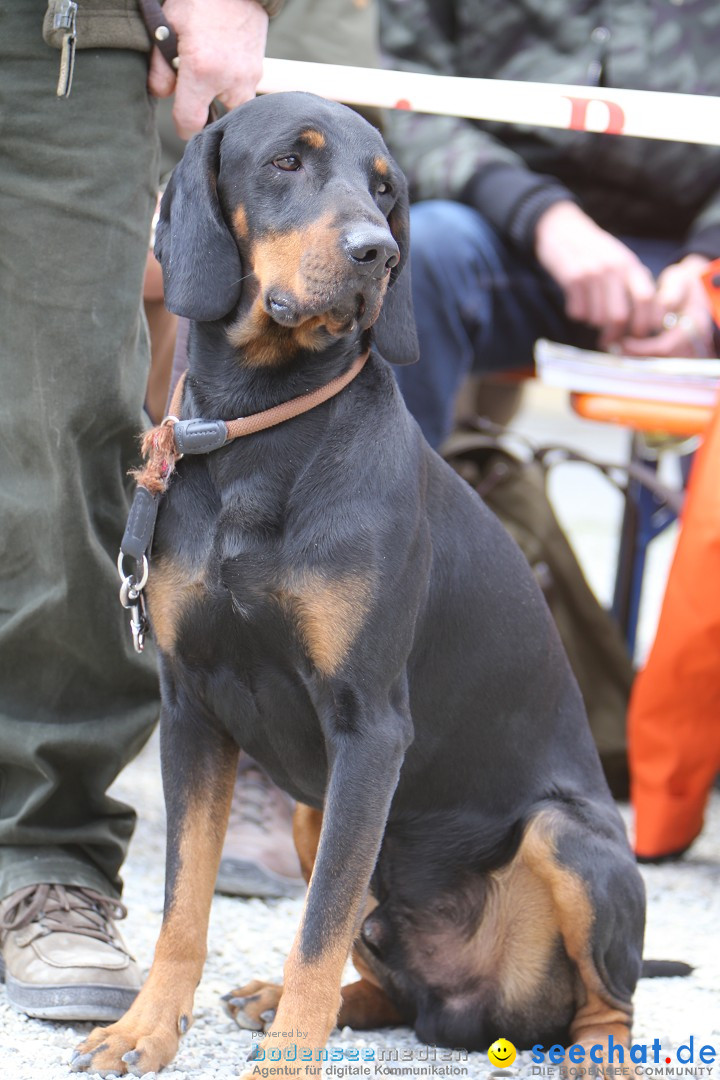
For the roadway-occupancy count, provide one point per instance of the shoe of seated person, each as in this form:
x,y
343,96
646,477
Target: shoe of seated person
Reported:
x,y
61,954
259,857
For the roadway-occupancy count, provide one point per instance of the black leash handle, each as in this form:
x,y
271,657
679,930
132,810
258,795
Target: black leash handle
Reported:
x,y
164,37
140,527
161,32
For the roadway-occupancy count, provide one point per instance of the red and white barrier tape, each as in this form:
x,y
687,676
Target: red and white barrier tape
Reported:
x,y
643,113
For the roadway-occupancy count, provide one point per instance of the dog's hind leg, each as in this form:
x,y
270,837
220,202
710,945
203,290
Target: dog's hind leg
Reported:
x,y
366,1006
307,826
599,903
199,767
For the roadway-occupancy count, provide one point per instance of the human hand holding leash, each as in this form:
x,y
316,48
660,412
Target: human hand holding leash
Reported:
x,y
604,282
221,44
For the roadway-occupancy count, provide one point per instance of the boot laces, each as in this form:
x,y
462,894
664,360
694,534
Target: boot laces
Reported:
x,y
67,909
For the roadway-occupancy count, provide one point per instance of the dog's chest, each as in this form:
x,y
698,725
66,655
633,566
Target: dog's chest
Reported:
x,y
315,611
244,585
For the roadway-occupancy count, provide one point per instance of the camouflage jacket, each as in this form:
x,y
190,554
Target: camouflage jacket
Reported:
x,y
512,173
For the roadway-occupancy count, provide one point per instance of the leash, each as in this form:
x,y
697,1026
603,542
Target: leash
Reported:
x,y
163,446
164,38
162,34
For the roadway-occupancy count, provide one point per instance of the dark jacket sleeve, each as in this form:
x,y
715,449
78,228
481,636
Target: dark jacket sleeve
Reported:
x,y
446,157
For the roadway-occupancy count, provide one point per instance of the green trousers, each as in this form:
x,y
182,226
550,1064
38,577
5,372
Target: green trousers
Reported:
x,y
77,190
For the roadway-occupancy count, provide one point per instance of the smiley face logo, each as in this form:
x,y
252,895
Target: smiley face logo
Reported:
x,y
502,1053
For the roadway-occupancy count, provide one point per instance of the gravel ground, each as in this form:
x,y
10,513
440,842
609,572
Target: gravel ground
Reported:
x,y
249,939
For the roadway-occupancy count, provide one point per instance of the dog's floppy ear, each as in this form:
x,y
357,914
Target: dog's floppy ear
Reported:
x,y
394,330
198,254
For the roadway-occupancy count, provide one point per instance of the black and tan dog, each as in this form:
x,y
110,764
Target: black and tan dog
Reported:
x,y
331,597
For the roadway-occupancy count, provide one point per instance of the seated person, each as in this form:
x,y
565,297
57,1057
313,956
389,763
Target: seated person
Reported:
x,y
525,232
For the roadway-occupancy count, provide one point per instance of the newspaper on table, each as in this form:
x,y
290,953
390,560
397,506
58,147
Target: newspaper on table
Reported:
x,y
686,381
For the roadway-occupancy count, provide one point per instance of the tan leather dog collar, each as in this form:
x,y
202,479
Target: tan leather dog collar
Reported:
x,y
165,444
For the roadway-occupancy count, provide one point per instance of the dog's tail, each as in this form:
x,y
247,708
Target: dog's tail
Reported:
x,y
665,969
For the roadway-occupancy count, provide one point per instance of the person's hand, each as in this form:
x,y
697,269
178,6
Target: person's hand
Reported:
x,y
687,322
604,282
221,45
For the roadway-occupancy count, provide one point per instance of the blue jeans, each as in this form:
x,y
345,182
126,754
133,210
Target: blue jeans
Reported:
x,y
480,305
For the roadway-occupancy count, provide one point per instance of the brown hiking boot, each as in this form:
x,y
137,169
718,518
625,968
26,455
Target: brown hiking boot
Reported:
x,y
259,857
61,955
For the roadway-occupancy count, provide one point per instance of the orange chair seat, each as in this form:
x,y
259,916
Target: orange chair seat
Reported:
x,y
641,415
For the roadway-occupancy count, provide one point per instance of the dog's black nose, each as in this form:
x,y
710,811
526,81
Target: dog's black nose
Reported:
x,y
373,250
282,309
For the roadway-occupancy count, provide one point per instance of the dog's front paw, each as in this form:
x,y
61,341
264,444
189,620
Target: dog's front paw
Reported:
x,y
253,1006
122,1048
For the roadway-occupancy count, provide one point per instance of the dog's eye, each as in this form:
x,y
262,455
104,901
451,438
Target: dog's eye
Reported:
x,y
288,163
385,188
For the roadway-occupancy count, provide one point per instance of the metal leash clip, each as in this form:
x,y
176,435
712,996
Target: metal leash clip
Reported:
x,y
132,598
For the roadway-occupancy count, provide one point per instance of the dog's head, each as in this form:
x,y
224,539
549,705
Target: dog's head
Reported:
x,y
289,219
